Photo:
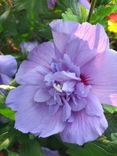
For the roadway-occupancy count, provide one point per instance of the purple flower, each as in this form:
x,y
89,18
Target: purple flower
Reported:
x,y
8,67
51,3
64,82
49,152
28,46
85,3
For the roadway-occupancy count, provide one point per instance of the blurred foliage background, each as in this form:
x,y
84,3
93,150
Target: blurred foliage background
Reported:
x,y
27,20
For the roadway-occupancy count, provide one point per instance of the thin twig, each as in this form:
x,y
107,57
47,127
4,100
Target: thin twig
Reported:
x,y
91,10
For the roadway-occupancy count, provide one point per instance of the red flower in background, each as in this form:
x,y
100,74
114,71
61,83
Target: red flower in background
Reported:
x,y
112,22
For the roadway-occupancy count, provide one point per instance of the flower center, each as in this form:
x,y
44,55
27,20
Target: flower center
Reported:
x,y
57,87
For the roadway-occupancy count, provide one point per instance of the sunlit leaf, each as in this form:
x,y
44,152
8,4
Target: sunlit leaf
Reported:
x,y
110,109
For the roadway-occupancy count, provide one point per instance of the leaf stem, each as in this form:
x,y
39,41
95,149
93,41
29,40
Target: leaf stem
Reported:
x,y
91,10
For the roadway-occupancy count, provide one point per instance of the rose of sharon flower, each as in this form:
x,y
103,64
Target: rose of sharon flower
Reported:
x,y
8,67
64,82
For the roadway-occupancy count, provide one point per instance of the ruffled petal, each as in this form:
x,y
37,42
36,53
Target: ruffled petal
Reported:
x,y
34,69
64,76
43,54
42,95
62,32
84,128
31,73
66,31
33,117
94,35
78,104
37,120
79,52
20,96
66,111
68,86
93,107
69,63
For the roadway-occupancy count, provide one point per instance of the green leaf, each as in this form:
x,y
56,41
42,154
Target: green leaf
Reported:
x,y
8,113
114,137
5,15
101,13
90,149
68,15
110,109
83,13
2,99
30,148
102,2
4,141
12,153
108,145
33,7
4,110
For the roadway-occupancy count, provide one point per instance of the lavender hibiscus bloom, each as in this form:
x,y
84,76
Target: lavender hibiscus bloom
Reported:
x,y
8,68
64,82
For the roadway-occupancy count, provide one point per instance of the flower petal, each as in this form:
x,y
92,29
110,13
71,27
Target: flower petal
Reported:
x,y
62,32
67,62
8,65
94,106
79,52
37,65
82,90
31,73
37,120
66,111
41,95
64,76
4,79
84,128
77,104
94,35
20,96
68,86
66,31
43,54
102,75
33,117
